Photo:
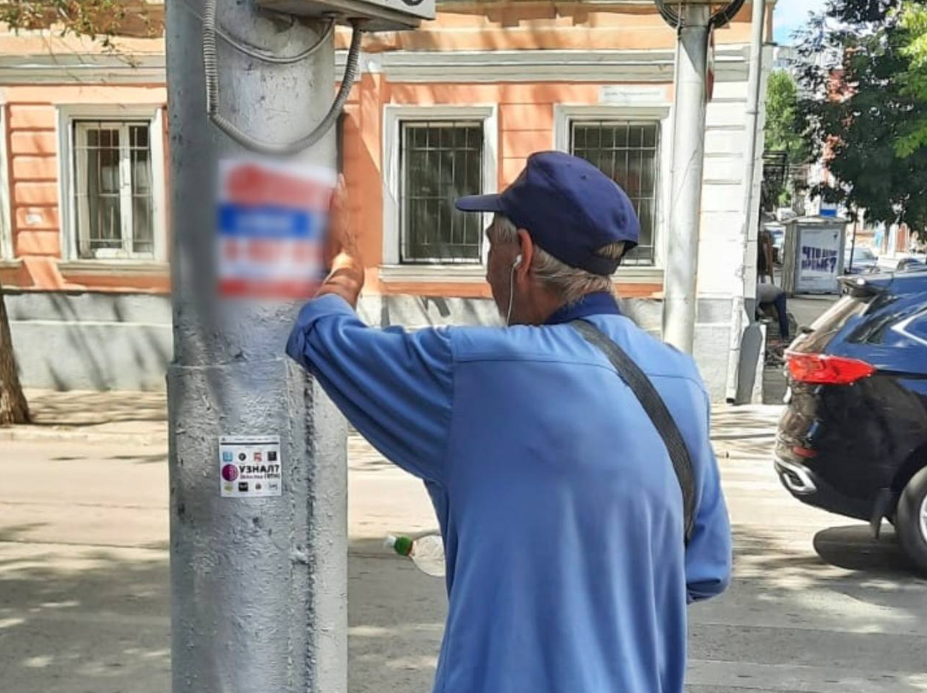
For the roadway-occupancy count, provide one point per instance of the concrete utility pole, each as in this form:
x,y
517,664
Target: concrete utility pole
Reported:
x,y
693,20
679,306
259,583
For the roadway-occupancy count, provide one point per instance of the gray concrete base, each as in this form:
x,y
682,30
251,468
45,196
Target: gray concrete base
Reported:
x,y
106,341
91,341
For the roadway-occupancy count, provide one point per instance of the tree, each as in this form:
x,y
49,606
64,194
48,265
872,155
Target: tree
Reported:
x,y
102,20
784,144
854,66
13,406
913,23
783,124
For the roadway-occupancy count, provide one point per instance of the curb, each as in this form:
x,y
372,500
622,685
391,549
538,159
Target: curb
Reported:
x,y
33,434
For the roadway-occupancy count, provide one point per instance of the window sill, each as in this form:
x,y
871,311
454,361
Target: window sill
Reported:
x,y
8,264
443,274
114,267
639,275
476,274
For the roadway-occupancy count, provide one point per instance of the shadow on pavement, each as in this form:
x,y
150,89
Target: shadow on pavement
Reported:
x,y
142,458
396,616
81,619
79,408
846,554
746,421
745,432
854,548
76,618
846,617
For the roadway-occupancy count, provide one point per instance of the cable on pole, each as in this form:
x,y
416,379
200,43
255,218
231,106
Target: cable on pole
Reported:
x,y
718,19
211,68
267,57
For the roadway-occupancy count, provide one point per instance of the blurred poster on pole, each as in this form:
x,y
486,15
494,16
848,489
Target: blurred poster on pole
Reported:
x,y
271,218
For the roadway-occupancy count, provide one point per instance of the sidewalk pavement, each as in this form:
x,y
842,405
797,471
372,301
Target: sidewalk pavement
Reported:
x,y
117,417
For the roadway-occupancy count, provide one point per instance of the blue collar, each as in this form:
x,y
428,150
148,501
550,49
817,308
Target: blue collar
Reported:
x,y
601,303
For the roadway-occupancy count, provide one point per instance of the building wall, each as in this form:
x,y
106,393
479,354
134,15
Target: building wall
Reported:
x,y
105,324
34,141
477,25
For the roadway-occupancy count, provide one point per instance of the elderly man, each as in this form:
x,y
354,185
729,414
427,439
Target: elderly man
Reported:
x,y
569,559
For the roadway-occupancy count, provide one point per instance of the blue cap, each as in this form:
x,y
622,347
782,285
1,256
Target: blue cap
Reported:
x,y
569,207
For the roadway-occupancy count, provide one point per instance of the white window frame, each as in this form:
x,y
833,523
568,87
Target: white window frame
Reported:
x,y
567,114
153,116
6,220
393,117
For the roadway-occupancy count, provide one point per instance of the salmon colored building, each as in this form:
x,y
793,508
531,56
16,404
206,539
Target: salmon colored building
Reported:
x,y
453,108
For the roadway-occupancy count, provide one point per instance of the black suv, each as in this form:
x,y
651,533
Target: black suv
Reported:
x,y
853,438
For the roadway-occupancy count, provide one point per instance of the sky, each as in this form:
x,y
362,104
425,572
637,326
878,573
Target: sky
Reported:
x,y
791,14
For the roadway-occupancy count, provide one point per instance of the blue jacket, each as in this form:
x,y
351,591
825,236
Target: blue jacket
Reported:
x,y
561,514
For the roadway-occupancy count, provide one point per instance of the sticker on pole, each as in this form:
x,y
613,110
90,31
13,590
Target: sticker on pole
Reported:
x,y
271,218
250,466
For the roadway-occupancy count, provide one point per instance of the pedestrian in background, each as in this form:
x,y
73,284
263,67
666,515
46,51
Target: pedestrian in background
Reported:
x,y
765,257
771,297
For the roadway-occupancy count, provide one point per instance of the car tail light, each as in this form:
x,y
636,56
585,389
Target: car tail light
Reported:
x,y
820,369
804,453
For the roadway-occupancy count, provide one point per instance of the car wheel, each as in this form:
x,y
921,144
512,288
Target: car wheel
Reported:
x,y
911,519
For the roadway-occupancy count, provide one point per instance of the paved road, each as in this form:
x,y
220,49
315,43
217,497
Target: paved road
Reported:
x,y
816,607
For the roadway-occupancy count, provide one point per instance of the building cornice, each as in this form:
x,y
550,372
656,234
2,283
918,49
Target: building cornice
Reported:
x,y
540,65
81,69
398,66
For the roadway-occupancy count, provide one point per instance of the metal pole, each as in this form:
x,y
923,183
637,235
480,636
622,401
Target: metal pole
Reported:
x,y
688,163
853,246
744,302
258,584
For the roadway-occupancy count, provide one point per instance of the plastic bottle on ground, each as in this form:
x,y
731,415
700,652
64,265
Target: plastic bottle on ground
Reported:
x,y
426,552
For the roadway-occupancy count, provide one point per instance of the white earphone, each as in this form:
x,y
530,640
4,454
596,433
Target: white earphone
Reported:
x,y
515,266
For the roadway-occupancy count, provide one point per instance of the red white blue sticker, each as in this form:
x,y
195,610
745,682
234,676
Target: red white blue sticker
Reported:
x,y
250,467
271,219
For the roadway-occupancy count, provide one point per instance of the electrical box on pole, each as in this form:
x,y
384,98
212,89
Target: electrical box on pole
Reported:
x,y
258,468
378,15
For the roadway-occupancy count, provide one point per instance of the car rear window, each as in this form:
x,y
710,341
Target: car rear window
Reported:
x,y
825,327
874,329
915,327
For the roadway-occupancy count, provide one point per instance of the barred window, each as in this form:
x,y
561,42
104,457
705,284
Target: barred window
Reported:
x,y
440,161
113,189
629,153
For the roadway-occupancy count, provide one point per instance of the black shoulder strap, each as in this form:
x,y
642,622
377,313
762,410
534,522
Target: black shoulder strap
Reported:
x,y
656,409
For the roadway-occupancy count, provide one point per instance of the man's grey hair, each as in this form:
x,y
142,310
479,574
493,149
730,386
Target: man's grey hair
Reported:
x,y
570,283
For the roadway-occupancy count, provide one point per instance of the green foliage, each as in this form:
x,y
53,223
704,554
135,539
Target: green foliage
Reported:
x,y
100,20
783,125
855,63
913,27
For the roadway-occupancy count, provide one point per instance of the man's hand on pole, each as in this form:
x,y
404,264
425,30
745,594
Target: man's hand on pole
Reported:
x,y
346,278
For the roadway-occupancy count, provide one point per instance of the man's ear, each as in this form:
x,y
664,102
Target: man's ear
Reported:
x,y
526,250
